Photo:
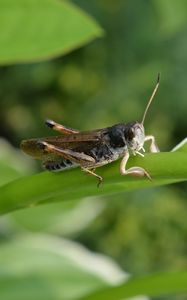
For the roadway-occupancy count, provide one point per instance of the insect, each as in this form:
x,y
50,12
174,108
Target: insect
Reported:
x,y
93,149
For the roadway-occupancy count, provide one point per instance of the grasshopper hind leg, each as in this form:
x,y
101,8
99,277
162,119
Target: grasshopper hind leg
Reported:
x,y
60,128
67,157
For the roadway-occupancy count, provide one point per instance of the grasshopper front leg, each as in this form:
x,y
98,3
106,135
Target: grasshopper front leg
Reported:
x,y
133,171
153,147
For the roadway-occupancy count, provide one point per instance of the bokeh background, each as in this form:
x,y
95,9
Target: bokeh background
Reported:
x,y
106,82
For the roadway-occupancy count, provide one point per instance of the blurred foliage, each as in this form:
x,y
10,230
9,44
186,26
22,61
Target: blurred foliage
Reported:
x,y
56,269
106,82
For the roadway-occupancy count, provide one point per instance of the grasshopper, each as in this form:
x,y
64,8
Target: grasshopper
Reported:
x,y
93,149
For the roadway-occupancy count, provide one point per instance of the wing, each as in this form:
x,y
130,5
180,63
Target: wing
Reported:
x,y
84,136
81,142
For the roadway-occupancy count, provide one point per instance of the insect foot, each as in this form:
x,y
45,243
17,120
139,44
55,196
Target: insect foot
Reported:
x,y
100,180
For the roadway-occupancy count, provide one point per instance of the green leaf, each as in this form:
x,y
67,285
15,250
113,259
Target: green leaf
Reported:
x,y
151,285
165,168
44,267
59,218
33,30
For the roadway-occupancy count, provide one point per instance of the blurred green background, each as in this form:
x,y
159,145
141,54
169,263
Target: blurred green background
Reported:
x,y
105,82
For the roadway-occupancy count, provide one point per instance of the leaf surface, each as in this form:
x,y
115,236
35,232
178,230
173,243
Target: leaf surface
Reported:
x,y
165,168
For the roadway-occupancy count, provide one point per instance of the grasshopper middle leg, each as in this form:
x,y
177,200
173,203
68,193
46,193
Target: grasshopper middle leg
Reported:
x,y
91,172
153,147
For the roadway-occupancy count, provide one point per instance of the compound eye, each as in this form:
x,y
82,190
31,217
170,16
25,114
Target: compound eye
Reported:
x,y
131,133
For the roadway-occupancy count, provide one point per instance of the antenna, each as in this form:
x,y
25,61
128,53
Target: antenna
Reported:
x,y
151,98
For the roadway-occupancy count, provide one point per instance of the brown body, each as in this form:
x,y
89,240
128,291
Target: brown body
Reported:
x,y
88,149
